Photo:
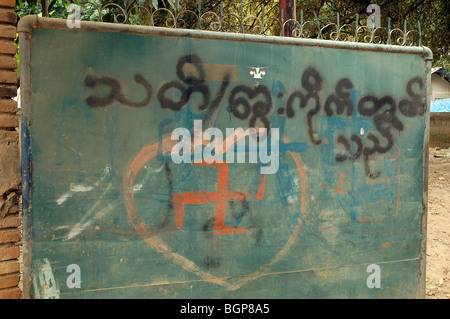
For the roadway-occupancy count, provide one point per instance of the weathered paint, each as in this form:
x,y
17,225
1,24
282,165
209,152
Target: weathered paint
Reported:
x,y
101,103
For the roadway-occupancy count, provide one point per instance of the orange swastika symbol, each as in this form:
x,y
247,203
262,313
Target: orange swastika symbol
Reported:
x,y
220,197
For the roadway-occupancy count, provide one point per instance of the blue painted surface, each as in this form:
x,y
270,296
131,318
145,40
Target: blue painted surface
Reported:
x,y
105,187
440,105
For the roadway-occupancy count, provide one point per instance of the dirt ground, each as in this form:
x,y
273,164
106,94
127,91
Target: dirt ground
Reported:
x,y
438,229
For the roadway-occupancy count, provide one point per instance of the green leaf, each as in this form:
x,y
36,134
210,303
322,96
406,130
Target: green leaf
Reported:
x,y
173,4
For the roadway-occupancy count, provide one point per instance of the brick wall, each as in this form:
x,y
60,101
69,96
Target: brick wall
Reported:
x,y
10,169
440,129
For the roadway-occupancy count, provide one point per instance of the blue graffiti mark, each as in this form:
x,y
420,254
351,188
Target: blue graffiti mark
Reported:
x,y
285,182
112,118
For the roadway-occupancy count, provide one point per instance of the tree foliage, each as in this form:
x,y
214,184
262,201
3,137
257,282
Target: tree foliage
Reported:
x,y
433,15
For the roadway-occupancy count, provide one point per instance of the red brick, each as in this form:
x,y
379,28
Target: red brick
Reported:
x,y
8,205
10,293
9,77
8,106
9,222
9,236
9,120
8,16
8,90
8,281
9,252
10,136
8,47
8,62
7,31
9,267
8,3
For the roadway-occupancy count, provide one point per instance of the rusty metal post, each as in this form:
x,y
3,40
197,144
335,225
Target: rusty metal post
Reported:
x,y
287,12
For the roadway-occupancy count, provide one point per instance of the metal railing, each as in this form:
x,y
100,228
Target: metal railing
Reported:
x,y
220,19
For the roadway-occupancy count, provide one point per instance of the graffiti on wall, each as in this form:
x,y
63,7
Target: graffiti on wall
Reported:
x,y
256,104
115,213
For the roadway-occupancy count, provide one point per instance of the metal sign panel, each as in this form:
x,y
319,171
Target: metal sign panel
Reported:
x,y
143,177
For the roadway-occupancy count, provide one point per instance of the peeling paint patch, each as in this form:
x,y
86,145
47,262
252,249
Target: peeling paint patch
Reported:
x,y
44,283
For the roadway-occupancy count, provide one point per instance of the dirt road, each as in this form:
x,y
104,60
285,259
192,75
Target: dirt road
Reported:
x,y
438,229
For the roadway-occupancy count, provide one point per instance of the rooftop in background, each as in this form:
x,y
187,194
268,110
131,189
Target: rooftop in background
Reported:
x,y
443,73
440,85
